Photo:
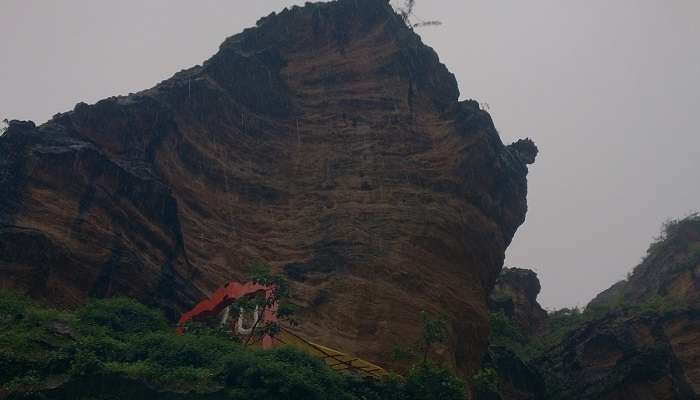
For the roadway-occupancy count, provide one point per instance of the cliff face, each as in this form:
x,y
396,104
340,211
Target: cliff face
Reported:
x,y
516,317
641,339
515,295
670,270
328,142
627,356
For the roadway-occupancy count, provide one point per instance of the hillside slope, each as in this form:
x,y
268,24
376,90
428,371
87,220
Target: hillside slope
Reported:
x,y
640,339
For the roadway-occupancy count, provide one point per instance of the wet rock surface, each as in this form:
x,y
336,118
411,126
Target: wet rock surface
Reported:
x,y
641,338
515,295
328,142
619,356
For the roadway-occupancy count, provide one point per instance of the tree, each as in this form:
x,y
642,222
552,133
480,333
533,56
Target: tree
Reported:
x,y
407,15
434,331
4,126
280,295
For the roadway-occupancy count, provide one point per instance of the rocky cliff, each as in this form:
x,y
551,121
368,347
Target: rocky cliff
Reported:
x,y
516,317
627,356
328,141
515,295
640,339
670,269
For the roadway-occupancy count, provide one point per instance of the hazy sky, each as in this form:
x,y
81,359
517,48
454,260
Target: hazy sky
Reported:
x,y
609,90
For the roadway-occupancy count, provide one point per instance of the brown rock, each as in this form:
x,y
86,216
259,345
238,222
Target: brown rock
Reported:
x,y
641,339
670,270
515,295
624,356
328,142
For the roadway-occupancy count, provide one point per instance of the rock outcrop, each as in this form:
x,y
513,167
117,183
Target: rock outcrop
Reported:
x,y
516,317
626,356
670,270
328,142
640,339
516,379
515,295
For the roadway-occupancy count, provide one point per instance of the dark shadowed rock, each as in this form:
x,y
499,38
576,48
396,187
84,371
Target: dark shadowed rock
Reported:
x,y
517,379
515,295
627,356
640,338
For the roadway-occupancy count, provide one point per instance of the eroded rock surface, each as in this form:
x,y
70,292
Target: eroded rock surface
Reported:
x,y
670,270
641,337
328,142
623,356
515,295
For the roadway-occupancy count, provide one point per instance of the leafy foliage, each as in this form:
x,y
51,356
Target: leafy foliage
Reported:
x,y
120,340
280,297
486,381
560,323
121,315
427,381
434,331
675,244
671,233
504,332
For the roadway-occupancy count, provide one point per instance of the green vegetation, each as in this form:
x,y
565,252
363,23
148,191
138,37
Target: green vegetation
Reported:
x,y
672,233
118,348
434,331
560,323
675,245
486,380
504,332
501,293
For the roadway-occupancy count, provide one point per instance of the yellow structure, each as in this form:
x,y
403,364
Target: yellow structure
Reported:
x,y
335,359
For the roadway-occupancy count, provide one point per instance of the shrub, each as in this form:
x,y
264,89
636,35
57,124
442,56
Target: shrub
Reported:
x,y
671,231
486,381
121,315
85,362
504,332
124,340
429,382
12,307
169,350
281,373
390,387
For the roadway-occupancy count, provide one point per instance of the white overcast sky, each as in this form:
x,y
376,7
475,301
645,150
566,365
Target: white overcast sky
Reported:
x,y
609,90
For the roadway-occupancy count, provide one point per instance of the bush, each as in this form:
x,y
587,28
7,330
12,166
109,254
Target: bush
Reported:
x,y
124,340
12,307
429,382
166,349
504,332
85,362
486,381
672,232
281,373
121,315
558,325
390,387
